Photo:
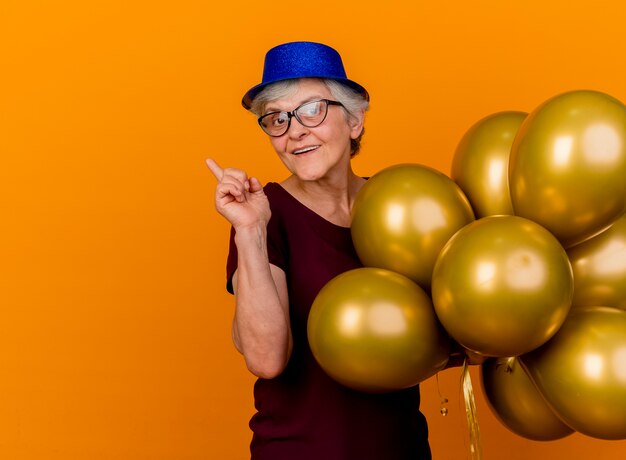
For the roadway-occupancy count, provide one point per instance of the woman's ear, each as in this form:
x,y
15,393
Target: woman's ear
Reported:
x,y
356,124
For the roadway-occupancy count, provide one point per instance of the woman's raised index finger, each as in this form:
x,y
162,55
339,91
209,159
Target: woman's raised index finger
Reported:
x,y
217,171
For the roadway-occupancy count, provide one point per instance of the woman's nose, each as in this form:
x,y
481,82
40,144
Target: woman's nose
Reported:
x,y
297,130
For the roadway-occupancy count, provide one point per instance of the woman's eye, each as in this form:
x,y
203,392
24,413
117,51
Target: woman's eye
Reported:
x,y
310,110
280,119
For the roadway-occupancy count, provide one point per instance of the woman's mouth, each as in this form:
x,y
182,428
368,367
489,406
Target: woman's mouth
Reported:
x,y
305,150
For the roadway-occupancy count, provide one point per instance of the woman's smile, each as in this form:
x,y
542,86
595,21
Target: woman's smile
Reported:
x,y
308,149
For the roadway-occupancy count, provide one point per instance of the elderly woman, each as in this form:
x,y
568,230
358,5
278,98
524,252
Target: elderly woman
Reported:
x,y
288,240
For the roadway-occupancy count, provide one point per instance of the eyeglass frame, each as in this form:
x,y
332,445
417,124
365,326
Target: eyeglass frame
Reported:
x,y
293,114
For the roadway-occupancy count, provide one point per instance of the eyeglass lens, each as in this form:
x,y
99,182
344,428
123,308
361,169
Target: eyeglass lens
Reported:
x,y
310,114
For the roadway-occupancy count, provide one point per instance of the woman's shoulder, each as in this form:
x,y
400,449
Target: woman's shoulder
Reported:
x,y
276,193
271,188
281,201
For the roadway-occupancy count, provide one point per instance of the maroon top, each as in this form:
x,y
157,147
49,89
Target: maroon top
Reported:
x,y
303,414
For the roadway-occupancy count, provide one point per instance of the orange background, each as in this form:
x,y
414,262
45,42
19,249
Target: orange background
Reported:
x,y
114,321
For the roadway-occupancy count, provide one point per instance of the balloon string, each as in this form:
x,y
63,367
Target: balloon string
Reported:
x,y
470,412
443,401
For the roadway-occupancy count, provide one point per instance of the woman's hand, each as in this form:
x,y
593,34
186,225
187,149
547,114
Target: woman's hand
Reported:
x,y
261,327
239,199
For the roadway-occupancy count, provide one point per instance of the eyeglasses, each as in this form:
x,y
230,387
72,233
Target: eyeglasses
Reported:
x,y
309,114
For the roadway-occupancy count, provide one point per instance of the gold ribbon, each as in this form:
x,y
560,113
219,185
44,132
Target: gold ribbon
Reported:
x,y
470,411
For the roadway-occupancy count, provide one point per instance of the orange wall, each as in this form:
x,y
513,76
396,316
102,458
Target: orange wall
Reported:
x,y
114,322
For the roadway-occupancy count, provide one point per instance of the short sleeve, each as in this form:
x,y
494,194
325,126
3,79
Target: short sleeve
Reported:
x,y
231,261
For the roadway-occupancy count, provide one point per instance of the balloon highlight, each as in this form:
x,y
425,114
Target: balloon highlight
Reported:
x,y
480,165
518,403
375,330
403,216
568,165
502,286
582,372
599,266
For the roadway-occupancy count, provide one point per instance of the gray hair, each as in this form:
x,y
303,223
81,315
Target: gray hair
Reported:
x,y
352,101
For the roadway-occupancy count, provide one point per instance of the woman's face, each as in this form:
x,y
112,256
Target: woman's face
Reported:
x,y
314,153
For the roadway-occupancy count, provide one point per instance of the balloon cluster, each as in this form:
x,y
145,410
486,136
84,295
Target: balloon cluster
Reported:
x,y
519,256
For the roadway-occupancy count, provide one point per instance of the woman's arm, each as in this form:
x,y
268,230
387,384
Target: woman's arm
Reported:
x,y
261,328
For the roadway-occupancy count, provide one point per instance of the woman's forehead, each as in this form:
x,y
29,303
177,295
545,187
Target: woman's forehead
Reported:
x,y
305,89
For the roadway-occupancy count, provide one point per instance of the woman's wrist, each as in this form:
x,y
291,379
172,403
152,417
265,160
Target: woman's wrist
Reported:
x,y
255,235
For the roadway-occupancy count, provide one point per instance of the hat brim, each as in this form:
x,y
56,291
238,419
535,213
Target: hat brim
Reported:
x,y
255,90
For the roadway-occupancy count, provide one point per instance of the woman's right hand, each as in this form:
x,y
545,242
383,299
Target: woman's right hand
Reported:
x,y
239,199
261,326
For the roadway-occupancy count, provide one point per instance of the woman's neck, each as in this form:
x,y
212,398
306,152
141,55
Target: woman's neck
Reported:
x,y
331,198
